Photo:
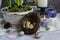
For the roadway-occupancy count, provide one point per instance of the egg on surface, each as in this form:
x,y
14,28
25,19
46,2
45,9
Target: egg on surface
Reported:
x,y
21,33
47,28
37,35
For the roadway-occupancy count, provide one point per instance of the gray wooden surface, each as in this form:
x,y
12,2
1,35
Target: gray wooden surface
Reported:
x,y
52,35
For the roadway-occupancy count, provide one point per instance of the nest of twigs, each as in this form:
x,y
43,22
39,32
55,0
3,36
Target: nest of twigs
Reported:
x,y
32,18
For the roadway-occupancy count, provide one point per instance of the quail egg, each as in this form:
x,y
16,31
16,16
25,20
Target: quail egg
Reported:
x,y
37,35
47,28
21,33
31,26
27,24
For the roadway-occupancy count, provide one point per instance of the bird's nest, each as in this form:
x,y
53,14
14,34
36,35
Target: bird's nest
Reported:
x,y
33,19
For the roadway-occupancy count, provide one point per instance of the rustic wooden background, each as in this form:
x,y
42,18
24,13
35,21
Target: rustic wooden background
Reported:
x,y
51,3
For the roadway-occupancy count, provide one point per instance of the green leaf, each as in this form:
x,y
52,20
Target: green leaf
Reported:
x,y
13,9
9,2
19,2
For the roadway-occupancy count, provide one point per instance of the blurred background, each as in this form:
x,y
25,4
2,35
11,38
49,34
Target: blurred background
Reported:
x,y
51,3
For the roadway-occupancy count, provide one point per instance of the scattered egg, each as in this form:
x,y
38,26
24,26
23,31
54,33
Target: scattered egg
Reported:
x,y
47,28
37,35
21,33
